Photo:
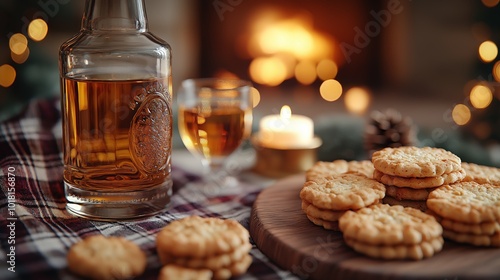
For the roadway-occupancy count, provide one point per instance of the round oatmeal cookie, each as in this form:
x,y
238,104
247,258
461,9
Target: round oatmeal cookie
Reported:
x,y
235,269
100,257
467,202
176,272
199,237
323,169
342,192
415,162
383,224
213,262
419,183
424,249
481,174
364,167
492,240
417,204
324,214
487,228
403,193
331,225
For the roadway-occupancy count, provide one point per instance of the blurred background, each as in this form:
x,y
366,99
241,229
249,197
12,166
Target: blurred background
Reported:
x,y
337,62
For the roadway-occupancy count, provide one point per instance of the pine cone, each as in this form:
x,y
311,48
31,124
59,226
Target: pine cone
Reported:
x,y
388,129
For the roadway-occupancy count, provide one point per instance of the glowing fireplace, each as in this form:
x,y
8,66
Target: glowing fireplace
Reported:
x,y
285,43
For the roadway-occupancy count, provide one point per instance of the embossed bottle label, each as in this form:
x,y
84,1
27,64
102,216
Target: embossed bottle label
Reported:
x,y
151,129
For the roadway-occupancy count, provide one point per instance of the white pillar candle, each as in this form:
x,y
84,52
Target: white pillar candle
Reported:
x,y
286,131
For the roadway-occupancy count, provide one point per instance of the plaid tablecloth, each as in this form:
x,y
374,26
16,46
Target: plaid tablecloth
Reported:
x,y
36,231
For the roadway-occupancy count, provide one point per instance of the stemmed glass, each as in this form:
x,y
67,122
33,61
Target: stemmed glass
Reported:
x,y
215,117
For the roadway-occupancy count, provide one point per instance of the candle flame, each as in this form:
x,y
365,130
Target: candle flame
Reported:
x,y
286,112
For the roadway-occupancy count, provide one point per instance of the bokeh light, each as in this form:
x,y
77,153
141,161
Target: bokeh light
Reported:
x,y
18,43
490,3
269,71
37,29
20,58
496,71
488,51
327,69
255,96
480,96
7,75
330,90
305,72
357,100
482,130
461,114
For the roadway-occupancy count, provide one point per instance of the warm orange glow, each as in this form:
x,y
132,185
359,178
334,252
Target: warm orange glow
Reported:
x,y
461,114
305,72
224,74
255,97
330,90
19,59
269,71
490,3
488,51
7,75
481,96
327,69
292,40
357,100
482,130
37,29
295,36
496,71
18,43
285,112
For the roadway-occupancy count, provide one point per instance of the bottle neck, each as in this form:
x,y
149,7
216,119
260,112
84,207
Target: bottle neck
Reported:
x,y
115,15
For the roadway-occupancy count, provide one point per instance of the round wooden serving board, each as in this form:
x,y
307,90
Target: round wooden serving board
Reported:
x,y
284,234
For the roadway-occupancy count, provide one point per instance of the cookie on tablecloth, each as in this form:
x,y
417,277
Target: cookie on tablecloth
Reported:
x,y
100,257
468,211
176,272
325,199
222,246
392,232
411,173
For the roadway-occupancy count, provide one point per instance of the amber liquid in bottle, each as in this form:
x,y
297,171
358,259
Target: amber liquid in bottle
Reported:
x,y
118,134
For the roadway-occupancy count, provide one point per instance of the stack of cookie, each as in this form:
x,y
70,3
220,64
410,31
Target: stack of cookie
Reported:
x,y
392,232
469,212
325,199
411,173
200,244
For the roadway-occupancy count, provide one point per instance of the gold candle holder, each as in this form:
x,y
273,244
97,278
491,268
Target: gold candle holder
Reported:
x,y
281,162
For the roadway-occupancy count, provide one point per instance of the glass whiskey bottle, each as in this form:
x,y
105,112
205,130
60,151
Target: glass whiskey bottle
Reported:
x,y
116,99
